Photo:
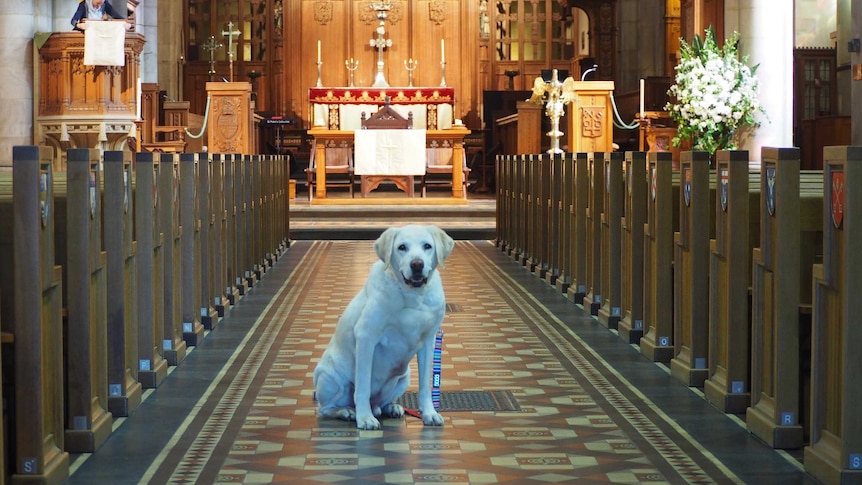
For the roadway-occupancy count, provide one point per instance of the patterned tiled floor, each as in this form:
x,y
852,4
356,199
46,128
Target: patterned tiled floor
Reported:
x,y
240,408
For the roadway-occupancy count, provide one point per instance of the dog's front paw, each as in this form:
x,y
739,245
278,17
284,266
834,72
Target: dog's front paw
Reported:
x,y
432,418
393,411
367,422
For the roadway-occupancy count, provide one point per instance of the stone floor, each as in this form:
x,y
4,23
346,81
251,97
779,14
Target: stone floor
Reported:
x,y
590,408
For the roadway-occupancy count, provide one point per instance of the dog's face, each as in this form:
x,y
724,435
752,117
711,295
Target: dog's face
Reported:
x,y
413,252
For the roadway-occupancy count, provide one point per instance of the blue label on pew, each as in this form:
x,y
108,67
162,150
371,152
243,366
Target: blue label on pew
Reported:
x,y
855,462
168,344
188,327
29,466
79,423
144,364
737,387
700,363
639,324
788,419
615,311
115,390
664,341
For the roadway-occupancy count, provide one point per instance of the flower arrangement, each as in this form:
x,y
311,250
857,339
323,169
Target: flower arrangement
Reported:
x,y
715,94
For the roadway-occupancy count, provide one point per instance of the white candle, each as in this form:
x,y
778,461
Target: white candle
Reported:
x,y
443,50
318,51
642,98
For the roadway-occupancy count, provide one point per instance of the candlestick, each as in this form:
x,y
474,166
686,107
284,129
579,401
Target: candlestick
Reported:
x,y
642,98
318,51
442,50
410,65
351,66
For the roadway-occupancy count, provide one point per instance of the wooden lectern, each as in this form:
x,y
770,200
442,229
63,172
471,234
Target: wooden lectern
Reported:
x,y
591,117
230,125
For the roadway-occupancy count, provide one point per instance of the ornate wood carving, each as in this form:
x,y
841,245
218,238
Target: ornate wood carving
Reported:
x,y
322,12
437,11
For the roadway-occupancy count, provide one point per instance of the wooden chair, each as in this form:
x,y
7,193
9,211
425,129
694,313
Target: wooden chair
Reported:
x,y
339,169
440,175
387,118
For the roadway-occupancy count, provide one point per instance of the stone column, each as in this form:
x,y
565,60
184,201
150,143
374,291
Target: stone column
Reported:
x,y
18,23
766,36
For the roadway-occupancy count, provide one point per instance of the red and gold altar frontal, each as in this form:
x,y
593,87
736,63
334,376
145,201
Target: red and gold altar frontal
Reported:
x,y
341,108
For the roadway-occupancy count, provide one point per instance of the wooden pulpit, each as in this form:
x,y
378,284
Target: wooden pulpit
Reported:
x,y
591,117
83,106
230,125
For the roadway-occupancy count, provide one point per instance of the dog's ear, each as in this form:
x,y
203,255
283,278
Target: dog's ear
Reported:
x,y
443,243
383,245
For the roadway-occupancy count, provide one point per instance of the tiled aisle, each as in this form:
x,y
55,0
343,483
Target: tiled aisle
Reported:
x,y
592,410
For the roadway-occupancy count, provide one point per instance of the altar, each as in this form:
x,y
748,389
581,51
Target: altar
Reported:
x,y
438,144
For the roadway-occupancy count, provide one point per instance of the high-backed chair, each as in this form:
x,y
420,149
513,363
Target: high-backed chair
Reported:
x,y
339,169
386,118
438,170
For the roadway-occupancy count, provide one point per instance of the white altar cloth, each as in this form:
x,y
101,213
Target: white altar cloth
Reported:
x,y
389,152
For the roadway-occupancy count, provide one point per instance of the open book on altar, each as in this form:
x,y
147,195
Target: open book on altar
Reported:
x,y
104,42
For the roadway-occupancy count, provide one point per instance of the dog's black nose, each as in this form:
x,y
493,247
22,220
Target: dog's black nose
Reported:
x,y
417,265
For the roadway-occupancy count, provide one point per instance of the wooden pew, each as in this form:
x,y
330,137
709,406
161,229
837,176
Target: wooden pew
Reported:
x,y
245,245
78,217
517,249
657,343
152,366
554,243
632,284
235,285
530,250
505,201
775,415
691,272
191,263
578,229
593,214
124,390
610,312
206,205
223,291
259,260
540,181
38,413
728,385
174,347
834,454
564,244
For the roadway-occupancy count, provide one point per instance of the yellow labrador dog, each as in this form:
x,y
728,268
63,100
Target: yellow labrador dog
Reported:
x,y
365,368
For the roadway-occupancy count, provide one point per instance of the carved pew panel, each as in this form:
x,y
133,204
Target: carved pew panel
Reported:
x,y
728,385
632,284
78,226
691,272
835,451
776,412
38,362
152,365
593,214
124,390
610,312
174,347
206,201
578,229
191,266
566,175
657,344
